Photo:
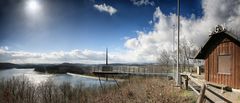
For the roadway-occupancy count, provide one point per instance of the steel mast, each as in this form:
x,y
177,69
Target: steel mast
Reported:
x,y
178,24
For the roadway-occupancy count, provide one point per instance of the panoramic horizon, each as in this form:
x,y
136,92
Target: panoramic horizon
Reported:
x,y
79,31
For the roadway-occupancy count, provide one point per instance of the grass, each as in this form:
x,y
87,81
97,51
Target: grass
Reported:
x,y
150,90
137,90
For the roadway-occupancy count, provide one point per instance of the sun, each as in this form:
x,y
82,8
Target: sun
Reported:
x,y
33,6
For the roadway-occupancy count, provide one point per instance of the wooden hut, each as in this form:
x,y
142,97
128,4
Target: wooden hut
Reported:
x,y
222,58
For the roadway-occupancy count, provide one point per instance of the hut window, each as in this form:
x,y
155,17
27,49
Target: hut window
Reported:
x,y
224,64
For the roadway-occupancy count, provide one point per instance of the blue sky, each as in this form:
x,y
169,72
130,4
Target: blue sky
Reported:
x,y
49,26
76,24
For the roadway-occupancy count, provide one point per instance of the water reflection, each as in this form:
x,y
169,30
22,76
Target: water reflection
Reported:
x,y
36,77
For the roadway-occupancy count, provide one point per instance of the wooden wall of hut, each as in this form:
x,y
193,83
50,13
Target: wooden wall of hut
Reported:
x,y
225,46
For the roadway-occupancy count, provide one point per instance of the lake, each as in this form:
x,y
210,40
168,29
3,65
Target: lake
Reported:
x,y
37,77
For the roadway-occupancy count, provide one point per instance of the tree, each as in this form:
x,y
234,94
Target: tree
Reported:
x,y
164,58
187,52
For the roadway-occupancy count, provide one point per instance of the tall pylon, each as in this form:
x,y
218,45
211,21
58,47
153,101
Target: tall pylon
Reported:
x,y
178,24
106,56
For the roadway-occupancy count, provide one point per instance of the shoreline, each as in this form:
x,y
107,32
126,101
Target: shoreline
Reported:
x,y
94,77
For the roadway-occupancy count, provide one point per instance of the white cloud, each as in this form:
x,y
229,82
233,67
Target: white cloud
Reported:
x,y
73,56
142,2
84,56
4,47
105,8
147,45
126,38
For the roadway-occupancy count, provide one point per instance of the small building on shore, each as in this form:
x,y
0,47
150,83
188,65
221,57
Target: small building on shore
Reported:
x,y
222,58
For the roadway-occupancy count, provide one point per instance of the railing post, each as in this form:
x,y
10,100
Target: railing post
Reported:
x,y
138,69
128,69
186,83
202,94
144,70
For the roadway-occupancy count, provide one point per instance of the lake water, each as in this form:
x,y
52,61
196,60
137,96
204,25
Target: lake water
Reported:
x,y
37,77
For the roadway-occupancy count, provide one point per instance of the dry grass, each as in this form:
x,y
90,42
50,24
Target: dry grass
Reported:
x,y
138,90
20,90
151,90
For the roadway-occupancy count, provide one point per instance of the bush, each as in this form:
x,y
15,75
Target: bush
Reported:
x,y
21,90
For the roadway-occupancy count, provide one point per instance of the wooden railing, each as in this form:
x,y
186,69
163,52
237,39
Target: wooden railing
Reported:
x,y
146,69
201,88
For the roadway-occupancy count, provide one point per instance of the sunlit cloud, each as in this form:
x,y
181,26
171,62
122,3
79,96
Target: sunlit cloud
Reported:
x,y
148,45
142,2
105,8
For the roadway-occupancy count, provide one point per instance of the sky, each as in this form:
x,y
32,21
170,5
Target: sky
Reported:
x,y
79,31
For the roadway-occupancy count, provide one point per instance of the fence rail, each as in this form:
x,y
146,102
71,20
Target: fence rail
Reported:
x,y
138,70
204,92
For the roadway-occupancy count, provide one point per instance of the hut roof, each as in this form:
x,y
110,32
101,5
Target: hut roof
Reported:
x,y
215,38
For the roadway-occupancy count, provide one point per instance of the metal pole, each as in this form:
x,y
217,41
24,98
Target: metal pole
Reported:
x,y
173,51
178,11
106,56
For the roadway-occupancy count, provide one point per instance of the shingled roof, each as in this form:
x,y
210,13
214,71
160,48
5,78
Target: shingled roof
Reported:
x,y
217,36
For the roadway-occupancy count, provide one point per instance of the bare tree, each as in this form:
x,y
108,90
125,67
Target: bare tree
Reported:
x,y
187,53
164,58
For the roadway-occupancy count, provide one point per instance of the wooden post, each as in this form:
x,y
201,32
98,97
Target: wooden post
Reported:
x,y
180,85
100,81
115,81
144,71
106,76
125,69
198,70
222,89
128,69
121,69
153,69
186,83
202,94
139,69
